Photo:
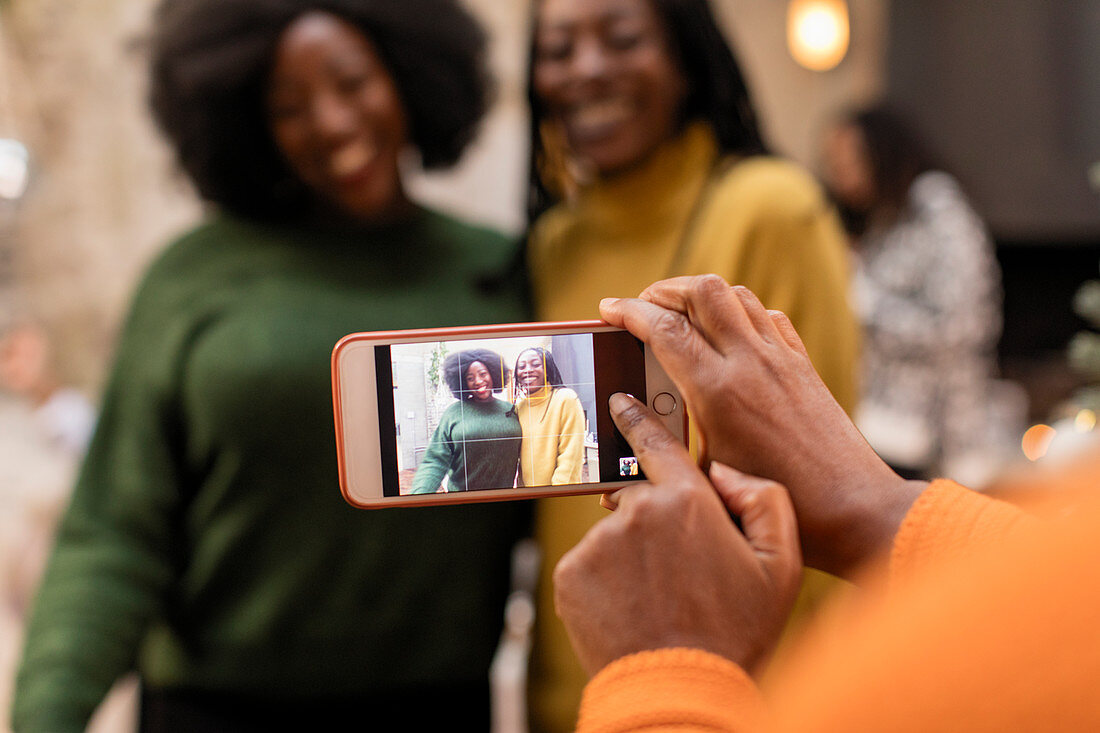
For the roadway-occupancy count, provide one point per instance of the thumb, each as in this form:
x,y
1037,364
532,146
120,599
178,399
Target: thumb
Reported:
x,y
767,519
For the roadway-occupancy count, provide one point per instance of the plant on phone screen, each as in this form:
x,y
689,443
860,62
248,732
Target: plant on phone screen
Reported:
x,y
438,396
435,367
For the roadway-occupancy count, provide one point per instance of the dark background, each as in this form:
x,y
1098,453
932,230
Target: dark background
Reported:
x,y
1007,95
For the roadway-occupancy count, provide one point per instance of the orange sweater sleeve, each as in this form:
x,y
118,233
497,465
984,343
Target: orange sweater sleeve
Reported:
x,y
671,690
948,522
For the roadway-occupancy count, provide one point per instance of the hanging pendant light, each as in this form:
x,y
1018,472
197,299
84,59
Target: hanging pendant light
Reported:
x,y
14,169
817,32
14,158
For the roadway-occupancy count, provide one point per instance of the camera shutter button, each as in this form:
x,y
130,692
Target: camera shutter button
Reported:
x,y
664,403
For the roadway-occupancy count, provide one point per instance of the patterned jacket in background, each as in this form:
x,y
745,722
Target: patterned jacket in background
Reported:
x,y
927,290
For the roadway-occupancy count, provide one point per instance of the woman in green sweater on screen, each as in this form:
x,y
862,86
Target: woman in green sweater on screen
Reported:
x,y
207,543
476,444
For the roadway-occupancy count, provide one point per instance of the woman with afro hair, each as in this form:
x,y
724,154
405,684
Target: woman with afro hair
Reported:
x,y
476,445
207,544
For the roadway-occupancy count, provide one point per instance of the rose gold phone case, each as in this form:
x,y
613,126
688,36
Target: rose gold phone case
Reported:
x,y
341,387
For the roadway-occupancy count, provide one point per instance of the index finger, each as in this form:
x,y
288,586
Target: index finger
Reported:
x,y
675,342
709,302
664,459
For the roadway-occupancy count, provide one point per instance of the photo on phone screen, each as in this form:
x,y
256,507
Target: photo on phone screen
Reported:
x,y
500,413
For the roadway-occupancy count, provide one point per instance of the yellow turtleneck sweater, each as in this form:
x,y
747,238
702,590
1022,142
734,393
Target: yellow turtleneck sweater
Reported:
x,y
552,450
761,222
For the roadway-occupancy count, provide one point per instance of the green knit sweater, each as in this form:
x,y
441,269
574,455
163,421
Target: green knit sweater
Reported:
x,y
207,541
476,444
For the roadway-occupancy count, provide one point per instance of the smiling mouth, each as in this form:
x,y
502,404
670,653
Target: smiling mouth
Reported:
x,y
598,118
352,160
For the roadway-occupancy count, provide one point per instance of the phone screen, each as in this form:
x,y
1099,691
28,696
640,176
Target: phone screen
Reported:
x,y
497,413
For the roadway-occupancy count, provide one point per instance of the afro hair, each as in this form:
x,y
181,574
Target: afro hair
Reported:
x,y
455,367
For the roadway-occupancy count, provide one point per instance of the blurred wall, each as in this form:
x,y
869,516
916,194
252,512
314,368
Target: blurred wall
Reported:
x,y
1009,94
104,197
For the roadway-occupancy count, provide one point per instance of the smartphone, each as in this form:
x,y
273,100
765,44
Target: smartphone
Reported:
x,y
490,413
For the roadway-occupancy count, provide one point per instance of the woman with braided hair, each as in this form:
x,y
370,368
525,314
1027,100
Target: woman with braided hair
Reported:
x,y
552,420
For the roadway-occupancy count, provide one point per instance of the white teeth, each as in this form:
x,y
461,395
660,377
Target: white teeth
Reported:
x,y
349,159
598,114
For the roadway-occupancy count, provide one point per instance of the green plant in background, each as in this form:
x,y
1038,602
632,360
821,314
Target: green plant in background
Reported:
x,y
1084,348
435,367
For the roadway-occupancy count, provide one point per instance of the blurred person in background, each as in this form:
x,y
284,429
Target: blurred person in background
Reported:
x,y
207,542
44,427
62,413
647,162
927,290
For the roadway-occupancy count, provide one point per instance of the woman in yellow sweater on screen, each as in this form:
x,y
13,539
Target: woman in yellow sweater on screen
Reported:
x,y
552,420
647,162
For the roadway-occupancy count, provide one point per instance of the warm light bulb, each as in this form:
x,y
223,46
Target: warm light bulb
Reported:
x,y
14,169
817,32
1037,440
1084,421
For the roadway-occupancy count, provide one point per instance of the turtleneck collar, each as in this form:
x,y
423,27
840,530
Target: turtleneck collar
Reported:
x,y
666,181
543,394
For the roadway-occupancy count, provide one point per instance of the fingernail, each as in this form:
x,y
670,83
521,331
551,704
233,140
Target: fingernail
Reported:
x,y
607,302
619,402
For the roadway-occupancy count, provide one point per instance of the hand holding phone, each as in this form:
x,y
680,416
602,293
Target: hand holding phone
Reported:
x,y
761,407
488,413
670,569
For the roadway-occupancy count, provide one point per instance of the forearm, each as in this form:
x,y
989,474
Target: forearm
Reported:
x,y
429,475
850,506
435,464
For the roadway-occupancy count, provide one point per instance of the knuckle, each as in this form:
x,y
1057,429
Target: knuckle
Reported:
x,y
599,542
746,295
665,499
645,504
564,570
691,496
772,488
672,327
563,583
741,291
656,441
710,284
632,418
575,566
